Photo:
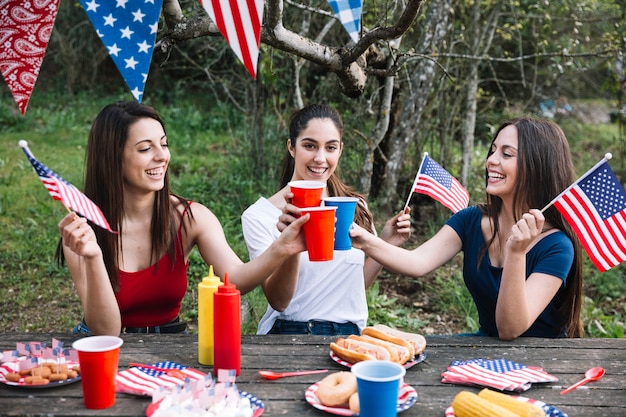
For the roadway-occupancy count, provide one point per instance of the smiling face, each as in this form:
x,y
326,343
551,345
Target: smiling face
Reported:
x,y
316,151
146,156
502,162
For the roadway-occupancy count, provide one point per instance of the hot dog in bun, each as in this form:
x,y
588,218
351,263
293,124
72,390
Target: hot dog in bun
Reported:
x,y
353,351
415,339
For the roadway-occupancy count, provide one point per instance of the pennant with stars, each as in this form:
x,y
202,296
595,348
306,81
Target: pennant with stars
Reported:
x,y
25,29
128,30
240,24
349,14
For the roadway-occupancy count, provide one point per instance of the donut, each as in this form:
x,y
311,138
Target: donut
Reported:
x,y
336,388
353,403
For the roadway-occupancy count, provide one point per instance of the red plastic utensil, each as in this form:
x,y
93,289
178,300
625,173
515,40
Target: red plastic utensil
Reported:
x,y
277,375
592,374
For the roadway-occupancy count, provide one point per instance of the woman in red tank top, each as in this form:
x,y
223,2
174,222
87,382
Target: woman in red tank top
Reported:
x,y
136,279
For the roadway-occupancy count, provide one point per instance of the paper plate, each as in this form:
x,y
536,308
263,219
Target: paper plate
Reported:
x,y
406,398
419,358
13,366
550,410
257,405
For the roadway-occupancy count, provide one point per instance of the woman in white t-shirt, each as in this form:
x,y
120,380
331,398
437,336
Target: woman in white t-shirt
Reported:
x,y
322,298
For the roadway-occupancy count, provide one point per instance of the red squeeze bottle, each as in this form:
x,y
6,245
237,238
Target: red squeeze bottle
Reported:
x,y
227,327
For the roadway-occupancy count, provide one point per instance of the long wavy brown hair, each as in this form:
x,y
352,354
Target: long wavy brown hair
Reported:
x,y
544,170
335,187
104,183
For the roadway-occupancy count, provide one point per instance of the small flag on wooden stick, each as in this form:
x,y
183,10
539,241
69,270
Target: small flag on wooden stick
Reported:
x,y
61,190
595,208
436,182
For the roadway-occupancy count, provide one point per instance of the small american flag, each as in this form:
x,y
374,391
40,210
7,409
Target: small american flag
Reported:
x,y
436,182
65,192
500,374
595,208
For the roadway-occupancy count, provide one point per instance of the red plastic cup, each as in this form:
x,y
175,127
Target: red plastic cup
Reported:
x,y
319,232
306,193
98,357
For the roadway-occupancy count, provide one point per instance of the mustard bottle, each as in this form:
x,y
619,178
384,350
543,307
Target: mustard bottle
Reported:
x,y
206,288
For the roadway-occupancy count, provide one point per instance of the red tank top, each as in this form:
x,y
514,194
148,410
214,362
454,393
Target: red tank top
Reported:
x,y
153,296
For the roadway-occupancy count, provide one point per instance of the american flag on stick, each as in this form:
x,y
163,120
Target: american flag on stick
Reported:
x,y
65,192
595,208
436,182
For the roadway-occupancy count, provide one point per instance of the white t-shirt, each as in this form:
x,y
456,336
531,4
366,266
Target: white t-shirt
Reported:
x,y
332,290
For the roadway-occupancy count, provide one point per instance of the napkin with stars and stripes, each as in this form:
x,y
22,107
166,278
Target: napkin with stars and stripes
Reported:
x,y
143,381
501,374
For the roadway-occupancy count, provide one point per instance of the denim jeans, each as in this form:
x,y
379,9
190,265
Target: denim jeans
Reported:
x,y
314,327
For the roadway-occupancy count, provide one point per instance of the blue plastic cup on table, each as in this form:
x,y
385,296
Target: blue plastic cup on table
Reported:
x,y
378,384
346,207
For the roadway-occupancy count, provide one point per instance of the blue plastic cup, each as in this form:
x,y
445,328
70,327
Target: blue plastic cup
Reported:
x,y
346,207
378,383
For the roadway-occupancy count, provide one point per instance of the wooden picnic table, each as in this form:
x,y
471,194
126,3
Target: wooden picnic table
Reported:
x,y
566,359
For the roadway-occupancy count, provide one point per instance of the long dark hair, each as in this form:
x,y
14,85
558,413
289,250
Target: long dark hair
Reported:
x,y
104,183
544,170
335,187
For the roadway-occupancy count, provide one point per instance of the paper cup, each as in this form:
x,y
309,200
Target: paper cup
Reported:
x,y
319,232
378,384
306,193
346,206
98,357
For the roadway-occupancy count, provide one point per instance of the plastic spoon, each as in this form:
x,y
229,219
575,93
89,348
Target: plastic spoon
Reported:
x,y
277,375
592,374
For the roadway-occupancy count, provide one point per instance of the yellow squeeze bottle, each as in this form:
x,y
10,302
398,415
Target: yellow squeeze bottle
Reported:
x,y
206,288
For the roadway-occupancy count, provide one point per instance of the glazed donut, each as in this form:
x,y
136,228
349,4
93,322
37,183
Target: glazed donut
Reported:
x,y
336,388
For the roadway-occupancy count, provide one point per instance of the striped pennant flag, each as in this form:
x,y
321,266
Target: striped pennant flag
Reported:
x,y
143,381
61,190
595,208
240,23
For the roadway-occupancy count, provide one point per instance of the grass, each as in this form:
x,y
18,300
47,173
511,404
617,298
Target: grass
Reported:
x,y
210,165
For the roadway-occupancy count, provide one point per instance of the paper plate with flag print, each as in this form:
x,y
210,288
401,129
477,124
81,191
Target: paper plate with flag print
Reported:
x,y
407,396
548,409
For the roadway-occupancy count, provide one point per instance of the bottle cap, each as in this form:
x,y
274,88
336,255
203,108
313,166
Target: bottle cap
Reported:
x,y
211,279
227,286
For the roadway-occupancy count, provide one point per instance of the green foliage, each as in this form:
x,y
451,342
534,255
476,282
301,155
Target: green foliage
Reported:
x,y
387,310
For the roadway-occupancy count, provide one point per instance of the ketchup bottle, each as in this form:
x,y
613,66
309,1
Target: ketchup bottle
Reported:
x,y
206,288
227,336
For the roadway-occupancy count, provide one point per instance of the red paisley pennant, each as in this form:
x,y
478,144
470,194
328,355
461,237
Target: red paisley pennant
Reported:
x,y
25,29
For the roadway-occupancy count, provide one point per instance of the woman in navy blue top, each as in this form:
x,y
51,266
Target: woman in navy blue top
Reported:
x,y
522,267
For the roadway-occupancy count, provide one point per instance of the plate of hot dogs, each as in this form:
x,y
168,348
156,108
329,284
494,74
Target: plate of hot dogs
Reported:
x,y
379,342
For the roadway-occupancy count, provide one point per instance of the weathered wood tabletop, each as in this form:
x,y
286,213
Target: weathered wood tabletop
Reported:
x,y
566,359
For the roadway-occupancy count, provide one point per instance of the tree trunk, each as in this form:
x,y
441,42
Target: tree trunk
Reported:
x,y
413,104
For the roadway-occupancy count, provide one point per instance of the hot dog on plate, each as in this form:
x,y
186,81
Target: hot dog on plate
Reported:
x,y
379,343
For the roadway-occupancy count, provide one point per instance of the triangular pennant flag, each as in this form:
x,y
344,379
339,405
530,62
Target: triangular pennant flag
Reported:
x,y
25,29
240,23
349,14
128,30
